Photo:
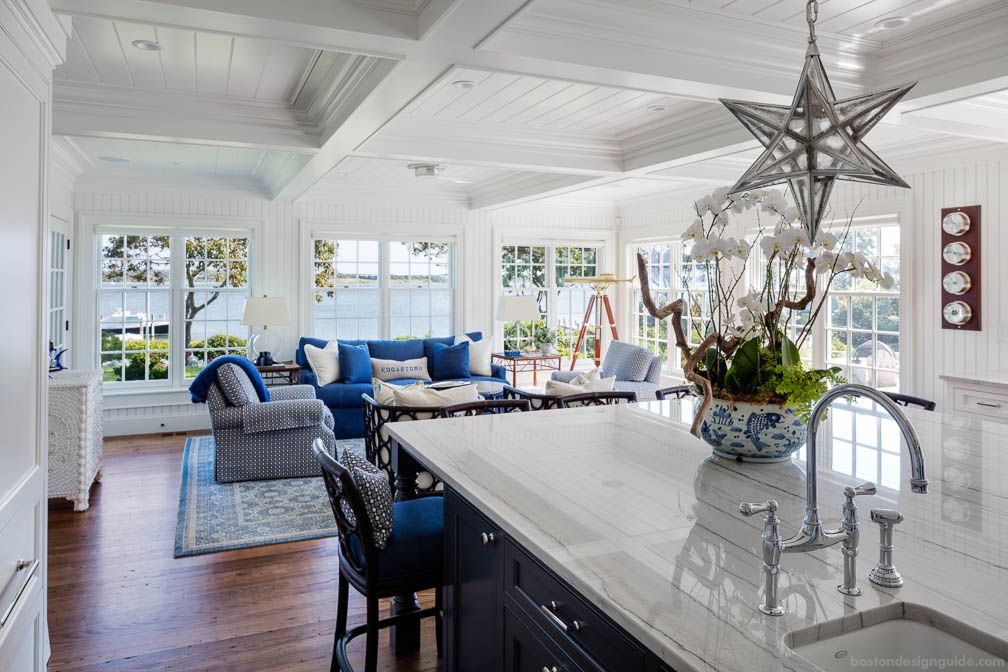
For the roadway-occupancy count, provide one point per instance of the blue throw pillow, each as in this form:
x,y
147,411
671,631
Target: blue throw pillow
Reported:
x,y
355,363
448,361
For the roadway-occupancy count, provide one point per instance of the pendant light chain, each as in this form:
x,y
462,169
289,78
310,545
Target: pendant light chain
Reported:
x,y
811,14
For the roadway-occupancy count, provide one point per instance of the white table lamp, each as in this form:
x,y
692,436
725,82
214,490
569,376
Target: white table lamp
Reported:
x,y
266,311
518,309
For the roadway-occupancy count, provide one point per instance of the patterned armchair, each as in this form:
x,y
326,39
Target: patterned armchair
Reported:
x,y
636,369
258,440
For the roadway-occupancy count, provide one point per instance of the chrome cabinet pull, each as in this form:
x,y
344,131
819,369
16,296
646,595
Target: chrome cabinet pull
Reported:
x,y
550,612
489,538
555,668
25,570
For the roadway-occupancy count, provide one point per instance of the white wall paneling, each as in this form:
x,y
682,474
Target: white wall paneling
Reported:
x,y
977,178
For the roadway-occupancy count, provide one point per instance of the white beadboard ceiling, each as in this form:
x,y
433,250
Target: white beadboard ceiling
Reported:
x,y
506,100
101,52
393,174
851,18
175,158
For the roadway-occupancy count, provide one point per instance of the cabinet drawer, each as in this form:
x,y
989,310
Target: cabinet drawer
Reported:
x,y
526,652
980,402
556,608
17,553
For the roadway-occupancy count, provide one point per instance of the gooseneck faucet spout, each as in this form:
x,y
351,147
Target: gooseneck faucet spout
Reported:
x,y
811,526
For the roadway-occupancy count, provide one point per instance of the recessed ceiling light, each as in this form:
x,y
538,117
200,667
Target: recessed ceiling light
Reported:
x,y
892,22
113,159
425,169
657,108
464,84
146,45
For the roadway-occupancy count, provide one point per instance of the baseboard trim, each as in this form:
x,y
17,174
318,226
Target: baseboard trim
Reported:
x,y
156,424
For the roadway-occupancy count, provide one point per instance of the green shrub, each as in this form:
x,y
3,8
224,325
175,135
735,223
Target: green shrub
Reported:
x,y
136,364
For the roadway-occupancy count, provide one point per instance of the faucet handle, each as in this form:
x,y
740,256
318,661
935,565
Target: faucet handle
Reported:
x,y
866,488
886,518
752,508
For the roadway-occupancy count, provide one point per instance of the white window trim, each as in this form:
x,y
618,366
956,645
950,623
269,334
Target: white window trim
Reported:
x,y
86,286
311,230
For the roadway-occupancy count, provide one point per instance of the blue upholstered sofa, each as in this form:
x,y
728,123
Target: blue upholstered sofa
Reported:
x,y
344,400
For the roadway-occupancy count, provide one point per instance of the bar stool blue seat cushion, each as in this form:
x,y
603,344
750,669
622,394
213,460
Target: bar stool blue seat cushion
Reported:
x,y
414,548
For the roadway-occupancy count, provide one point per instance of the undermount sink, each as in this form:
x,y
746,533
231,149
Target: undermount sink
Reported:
x,y
899,636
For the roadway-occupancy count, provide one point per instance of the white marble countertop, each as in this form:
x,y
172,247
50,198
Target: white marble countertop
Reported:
x,y
634,512
994,377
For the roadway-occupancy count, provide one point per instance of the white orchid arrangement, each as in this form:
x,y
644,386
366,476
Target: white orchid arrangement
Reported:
x,y
746,350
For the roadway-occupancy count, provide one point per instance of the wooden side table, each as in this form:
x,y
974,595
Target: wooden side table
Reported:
x,y
282,373
525,362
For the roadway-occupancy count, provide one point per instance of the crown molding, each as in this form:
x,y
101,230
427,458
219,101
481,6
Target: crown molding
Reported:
x,y
41,31
102,110
366,193
146,181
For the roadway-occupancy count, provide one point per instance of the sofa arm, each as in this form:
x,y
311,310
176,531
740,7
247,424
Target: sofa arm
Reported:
x,y
277,415
287,392
564,376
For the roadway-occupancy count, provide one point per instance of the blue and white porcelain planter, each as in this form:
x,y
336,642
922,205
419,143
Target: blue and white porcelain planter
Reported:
x,y
751,432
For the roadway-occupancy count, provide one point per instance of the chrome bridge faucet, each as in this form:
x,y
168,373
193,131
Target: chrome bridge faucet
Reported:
x,y
811,536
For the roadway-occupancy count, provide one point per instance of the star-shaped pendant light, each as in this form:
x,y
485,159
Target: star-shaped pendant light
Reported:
x,y
818,139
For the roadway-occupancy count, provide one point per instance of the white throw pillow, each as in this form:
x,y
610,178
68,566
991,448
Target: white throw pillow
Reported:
x,y
580,385
384,392
323,361
438,398
392,369
479,355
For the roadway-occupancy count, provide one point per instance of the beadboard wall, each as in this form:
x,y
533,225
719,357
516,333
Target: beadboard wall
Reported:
x,y
281,229
939,182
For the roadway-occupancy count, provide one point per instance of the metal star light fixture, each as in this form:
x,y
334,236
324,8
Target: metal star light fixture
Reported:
x,y
818,139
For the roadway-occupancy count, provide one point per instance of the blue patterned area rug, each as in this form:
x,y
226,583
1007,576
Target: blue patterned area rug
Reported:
x,y
216,516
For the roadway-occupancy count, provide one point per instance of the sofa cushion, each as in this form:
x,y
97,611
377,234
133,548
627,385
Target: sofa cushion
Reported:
x,y
480,354
236,385
579,385
354,363
376,495
448,361
384,392
397,350
391,369
299,355
324,362
627,362
344,395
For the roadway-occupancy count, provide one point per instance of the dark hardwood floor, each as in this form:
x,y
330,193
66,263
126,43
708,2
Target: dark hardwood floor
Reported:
x,y
118,600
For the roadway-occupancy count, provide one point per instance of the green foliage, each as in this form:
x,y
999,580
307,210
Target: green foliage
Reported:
x,y
714,367
543,334
801,388
137,360
743,375
110,342
219,345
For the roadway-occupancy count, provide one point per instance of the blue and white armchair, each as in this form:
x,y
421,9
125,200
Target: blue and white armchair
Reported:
x,y
636,369
259,439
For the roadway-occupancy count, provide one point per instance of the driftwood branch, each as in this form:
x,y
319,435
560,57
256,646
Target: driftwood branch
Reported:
x,y
674,310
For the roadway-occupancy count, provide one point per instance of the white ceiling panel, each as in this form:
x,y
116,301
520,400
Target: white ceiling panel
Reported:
x,y
395,176
501,100
172,158
101,51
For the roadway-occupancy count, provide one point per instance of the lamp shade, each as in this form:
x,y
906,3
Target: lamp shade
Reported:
x,y
265,311
518,309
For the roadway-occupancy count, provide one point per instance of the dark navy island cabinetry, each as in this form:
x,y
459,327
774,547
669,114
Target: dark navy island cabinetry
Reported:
x,y
504,610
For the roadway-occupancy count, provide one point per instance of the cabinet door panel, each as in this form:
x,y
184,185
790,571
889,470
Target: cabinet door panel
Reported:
x,y
473,597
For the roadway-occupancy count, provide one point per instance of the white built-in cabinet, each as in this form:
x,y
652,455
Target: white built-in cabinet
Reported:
x,y
32,42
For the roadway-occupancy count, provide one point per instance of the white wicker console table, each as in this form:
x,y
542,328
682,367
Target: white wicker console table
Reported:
x,y
75,435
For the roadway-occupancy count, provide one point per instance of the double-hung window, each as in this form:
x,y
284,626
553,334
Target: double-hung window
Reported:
x,y
168,304
370,289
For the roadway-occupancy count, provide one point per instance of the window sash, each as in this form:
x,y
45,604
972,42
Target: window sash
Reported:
x,y
386,316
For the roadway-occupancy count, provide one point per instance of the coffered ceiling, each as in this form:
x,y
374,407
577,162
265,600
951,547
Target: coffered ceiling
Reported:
x,y
519,100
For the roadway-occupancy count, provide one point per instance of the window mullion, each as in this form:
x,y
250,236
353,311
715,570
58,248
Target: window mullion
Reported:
x,y
384,285
176,346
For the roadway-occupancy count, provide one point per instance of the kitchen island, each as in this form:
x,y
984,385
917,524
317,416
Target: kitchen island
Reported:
x,y
610,539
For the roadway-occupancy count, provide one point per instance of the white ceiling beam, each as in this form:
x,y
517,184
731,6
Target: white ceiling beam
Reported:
x,y
525,188
960,128
336,25
170,116
464,25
